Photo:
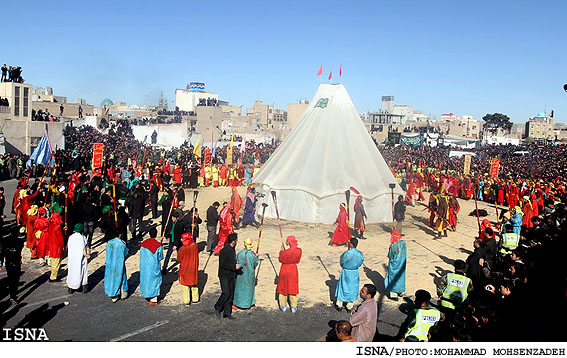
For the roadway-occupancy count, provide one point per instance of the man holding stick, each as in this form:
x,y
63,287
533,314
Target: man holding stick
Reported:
x,y
228,269
288,283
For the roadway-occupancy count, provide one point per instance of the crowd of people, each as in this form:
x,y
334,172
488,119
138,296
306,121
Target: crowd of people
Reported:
x,y
12,74
512,261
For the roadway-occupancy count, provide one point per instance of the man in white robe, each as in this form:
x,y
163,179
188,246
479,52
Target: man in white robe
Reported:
x,y
77,263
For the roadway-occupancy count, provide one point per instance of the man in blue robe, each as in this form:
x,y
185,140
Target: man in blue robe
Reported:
x,y
248,173
115,270
151,254
250,209
395,280
347,287
245,281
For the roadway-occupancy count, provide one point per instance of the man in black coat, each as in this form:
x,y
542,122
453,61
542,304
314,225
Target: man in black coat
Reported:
x,y
154,190
228,269
212,222
475,262
400,213
136,202
11,258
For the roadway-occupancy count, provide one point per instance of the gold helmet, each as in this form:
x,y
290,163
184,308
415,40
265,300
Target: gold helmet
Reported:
x,y
248,243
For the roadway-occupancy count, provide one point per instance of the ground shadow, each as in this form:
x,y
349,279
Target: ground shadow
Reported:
x,y
38,281
439,273
446,259
96,277
332,284
202,278
40,316
8,311
386,228
168,279
377,280
3,292
330,234
133,282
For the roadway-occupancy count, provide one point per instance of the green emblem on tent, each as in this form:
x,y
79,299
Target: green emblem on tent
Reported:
x,y
322,103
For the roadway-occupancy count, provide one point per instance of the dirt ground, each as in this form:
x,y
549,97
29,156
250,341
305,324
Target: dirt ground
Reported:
x,y
427,258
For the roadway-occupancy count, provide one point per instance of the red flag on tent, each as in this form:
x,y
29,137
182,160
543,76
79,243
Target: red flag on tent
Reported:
x,y
331,75
320,71
341,71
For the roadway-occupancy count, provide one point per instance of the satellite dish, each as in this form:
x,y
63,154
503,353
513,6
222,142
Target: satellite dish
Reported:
x,y
565,87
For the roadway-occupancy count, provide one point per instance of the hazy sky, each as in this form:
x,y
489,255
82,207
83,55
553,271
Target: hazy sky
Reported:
x,y
465,57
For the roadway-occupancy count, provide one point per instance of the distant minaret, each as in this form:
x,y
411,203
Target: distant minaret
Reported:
x,y
161,103
165,103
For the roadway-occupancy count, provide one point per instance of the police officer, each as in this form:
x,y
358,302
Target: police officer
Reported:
x,y
11,257
454,288
510,240
420,321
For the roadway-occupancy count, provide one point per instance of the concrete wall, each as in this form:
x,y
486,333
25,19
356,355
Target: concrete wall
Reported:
x,y
22,136
187,100
169,135
70,109
8,90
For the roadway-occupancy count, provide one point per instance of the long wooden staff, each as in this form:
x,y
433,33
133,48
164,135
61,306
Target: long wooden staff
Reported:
x,y
264,205
496,206
195,195
476,207
65,227
114,202
347,196
169,215
278,216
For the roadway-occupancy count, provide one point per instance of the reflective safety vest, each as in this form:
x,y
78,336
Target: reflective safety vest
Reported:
x,y
456,291
510,242
425,318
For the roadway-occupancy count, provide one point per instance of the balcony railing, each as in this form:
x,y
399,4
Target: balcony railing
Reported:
x,y
4,109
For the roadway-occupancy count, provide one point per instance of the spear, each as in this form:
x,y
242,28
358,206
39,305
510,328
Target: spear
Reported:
x,y
169,215
264,205
278,215
114,202
195,195
347,196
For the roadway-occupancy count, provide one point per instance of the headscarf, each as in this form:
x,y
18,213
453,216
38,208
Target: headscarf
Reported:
x,y
32,211
292,241
395,236
78,227
248,243
187,239
225,210
485,224
358,198
42,211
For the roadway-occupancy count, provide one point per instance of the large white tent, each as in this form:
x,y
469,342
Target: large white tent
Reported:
x,y
326,153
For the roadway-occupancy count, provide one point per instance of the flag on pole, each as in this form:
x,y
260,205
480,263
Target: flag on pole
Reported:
x,y
242,145
320,71
215,147
42,153
197,149
341,71
331,75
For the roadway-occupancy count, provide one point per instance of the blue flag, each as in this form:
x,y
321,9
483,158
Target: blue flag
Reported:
x,y
215,148
42,153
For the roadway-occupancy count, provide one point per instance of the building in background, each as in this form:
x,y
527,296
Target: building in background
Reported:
x,y
194,95
540,127
21,134
295,111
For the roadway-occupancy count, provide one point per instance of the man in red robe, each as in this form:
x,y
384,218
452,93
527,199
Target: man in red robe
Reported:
x,y
42,235
288,282
226,227
177,174
454,208
342,232
223,173
30,230
55,244
236,202
188,258
528,213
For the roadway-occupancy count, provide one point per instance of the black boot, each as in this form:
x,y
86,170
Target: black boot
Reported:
x,y
85,289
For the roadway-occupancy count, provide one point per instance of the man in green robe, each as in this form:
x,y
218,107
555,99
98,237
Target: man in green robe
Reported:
x,y
245,281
